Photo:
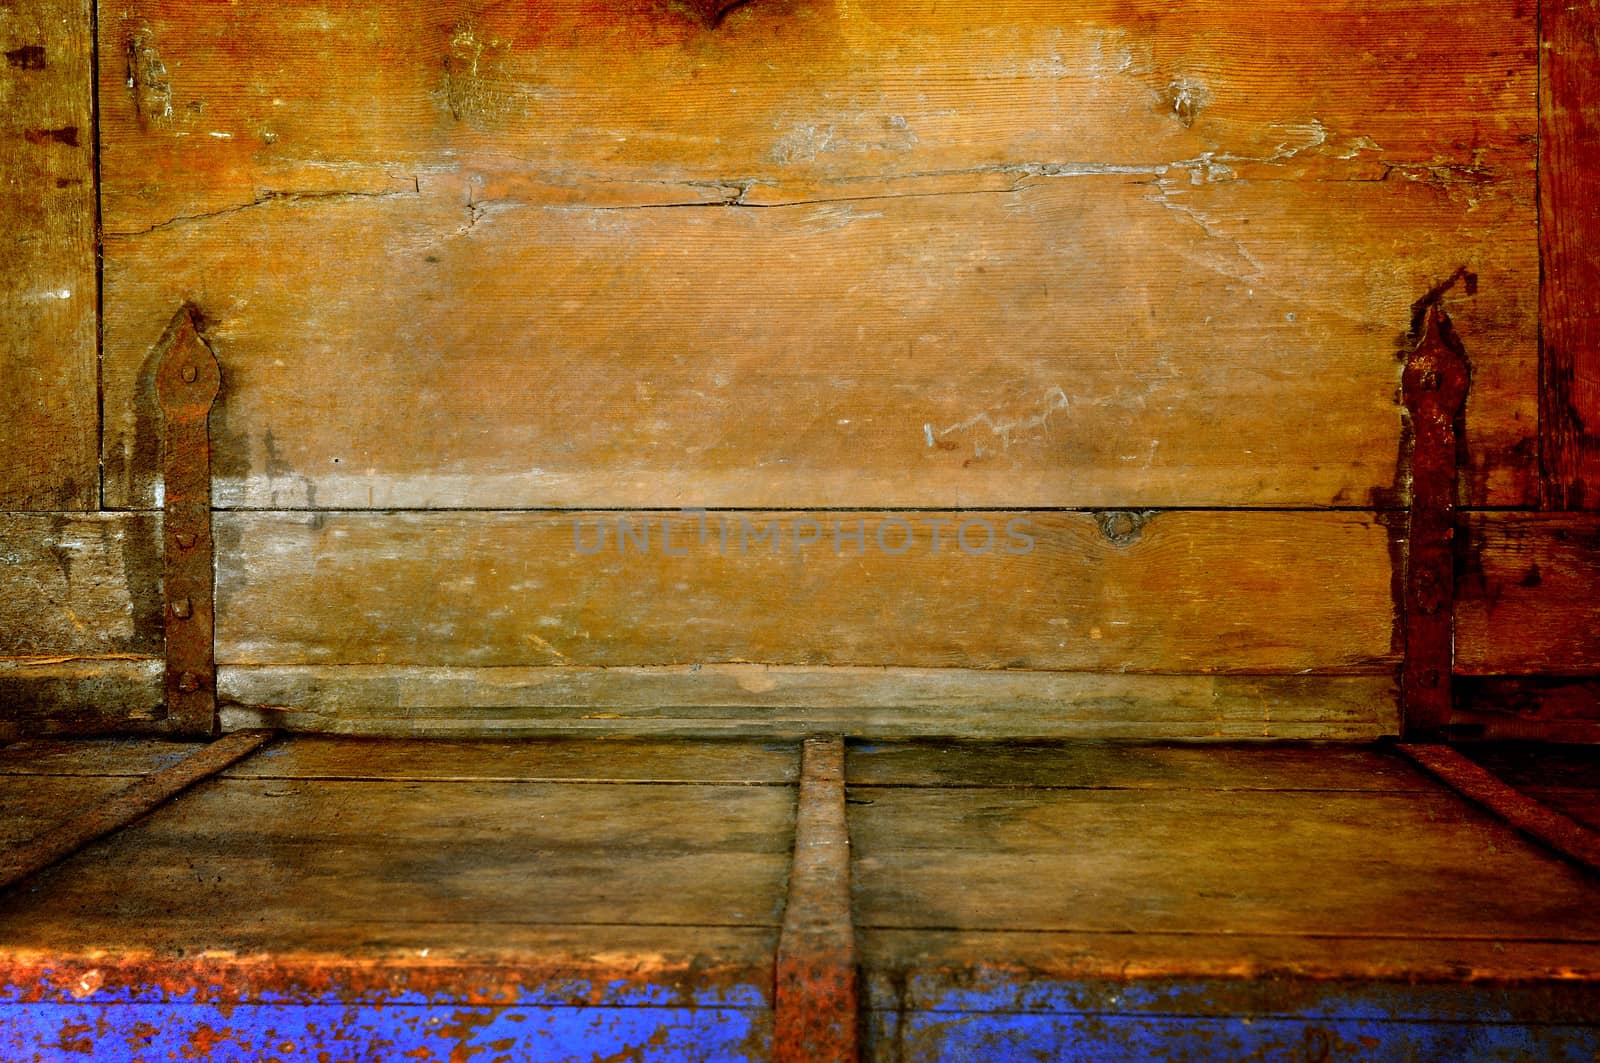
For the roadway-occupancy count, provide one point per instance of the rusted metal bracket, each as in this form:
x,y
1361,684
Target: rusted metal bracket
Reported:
x,y
1434,385
187,381
815,1000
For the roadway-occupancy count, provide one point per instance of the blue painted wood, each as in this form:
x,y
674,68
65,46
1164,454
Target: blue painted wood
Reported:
x,y
252,1033
997,1016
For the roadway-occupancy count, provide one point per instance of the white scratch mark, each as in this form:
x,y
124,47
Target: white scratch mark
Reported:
x,y
1007,431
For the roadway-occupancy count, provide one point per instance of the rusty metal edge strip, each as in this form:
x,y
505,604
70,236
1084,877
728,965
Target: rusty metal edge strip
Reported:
x,y
125,806
817,982
1477,784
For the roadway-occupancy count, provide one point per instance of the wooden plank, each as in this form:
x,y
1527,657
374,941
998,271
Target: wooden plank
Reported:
x,y
766,700
1207,862
125,806
221,107
926,965
83,696
548,760
437,1027
1179,592
36,804
80,585
1130,766
49,371
1520,708
1569,301
1529,600
1096,340
312,865
816,981
92,758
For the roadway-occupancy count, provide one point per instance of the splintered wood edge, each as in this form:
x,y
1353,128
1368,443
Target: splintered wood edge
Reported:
x,y
1565,835
125,806
817,983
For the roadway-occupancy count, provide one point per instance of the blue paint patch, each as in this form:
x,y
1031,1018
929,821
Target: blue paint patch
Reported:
x,y
254,1033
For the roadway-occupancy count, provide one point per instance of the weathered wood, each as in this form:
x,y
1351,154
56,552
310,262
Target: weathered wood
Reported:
x,y
80,585
1177,592
312,866
215,108
82,696
33,805
1546,708
1569,299
125,806
1207,862
548,760
1092,340
49,375
691,700
92,758
1130,766
1571,839
917,968
816,981
1529,599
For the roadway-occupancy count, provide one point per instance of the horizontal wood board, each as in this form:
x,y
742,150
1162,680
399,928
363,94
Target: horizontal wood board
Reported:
x,y
1207,233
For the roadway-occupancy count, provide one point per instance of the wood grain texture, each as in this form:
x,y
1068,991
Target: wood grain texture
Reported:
x,y
215,108
1130,766
1569,223
98,819
614,760
1240,592
82,696
34,804
1206,232
1206,862
1089,340
49,382
92,758
917,969
1529,600
710,700
1522,708
82,585
508,855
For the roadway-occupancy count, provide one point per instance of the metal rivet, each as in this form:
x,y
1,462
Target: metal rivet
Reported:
x,y
189,373
188,683
182,609
185,539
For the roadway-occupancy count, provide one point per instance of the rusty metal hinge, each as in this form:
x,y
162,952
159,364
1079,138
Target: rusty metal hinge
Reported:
x,y
187,381
1434,385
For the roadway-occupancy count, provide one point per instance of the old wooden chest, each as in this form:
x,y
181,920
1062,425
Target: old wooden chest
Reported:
x,y
799,529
